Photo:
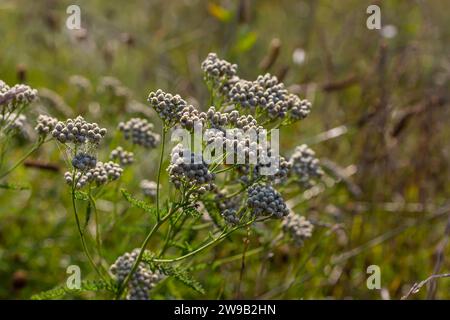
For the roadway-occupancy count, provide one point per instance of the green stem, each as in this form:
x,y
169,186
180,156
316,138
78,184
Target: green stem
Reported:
x,y
116,193
172,233
224,170
158,186
4,147
80,231
21,160
222,236
97,225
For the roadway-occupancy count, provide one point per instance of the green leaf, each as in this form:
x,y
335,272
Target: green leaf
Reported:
x,y
148,256
181,275
96,285
147,207
192,211
80,195
13,186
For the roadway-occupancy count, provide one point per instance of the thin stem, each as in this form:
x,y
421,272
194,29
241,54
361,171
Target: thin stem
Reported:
x,y
116,193
97,227
21,160
222,236
224,170
172,232
4,147
241,273
158,186
80,231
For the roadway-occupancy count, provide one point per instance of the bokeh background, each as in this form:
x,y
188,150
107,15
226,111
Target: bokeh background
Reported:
x,y
379,123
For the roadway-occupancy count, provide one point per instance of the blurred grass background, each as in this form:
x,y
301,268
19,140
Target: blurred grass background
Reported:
x,y
380,123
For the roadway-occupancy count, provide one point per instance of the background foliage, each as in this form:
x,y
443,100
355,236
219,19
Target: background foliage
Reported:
x,y
387,202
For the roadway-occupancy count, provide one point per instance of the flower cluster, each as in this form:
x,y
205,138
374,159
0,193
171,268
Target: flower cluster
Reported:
x,y
270,96
247,191
266,94
222,120
141,281
216,119
101,174
190,116
268,100
297,227
187,167
139,131
245,94
304,165
169,107
4,88
265,200
83,161
18,94
124,157
217,70
298,108
271,167
230,216
148,188
228,207
80,179
81,138
274,168
242,144
45,125
78,131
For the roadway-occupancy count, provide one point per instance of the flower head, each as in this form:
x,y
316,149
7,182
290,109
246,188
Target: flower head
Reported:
x,y
217,70
78,131
305,166
190,116
265,200
124,157
45,124
142,280
19,93
265,95
83,161
187,167
140,132
169,107
228,207
297,227
101,174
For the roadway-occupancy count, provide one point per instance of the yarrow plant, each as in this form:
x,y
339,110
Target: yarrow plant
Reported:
x,y
14,102
224,171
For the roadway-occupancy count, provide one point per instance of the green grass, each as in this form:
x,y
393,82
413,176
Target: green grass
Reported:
x,y
391,94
